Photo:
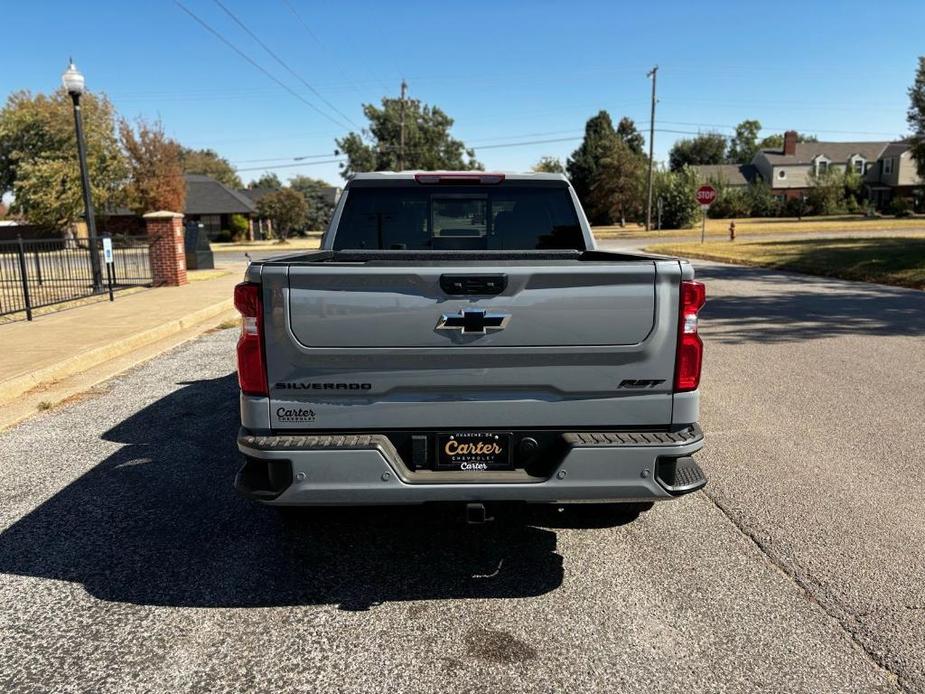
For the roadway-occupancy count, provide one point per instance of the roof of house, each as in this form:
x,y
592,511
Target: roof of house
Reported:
x,y
729,174
895,149
839,152
205,195
255,194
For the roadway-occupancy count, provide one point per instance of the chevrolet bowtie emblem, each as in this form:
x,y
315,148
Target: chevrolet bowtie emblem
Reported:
x,y
473,321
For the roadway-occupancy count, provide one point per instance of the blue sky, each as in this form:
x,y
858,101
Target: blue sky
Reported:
x,y
507,72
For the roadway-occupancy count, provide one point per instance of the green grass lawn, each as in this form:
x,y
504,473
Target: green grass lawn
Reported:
x,y
887,260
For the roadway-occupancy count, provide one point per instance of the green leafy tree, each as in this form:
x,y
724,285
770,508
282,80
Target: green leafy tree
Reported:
x,y
586,161
731,201
706,148
916,117
676,190
287,210
762,201
619,185
209,163
266,181
428,142
826,193
155,171
776,141
744,144
317,196
626,131
238,226
549,165
38,156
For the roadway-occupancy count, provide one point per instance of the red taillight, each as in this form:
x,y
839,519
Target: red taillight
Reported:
x,y
458,178
252,368
690,346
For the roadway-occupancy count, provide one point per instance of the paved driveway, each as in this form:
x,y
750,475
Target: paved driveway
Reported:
x,y
127,564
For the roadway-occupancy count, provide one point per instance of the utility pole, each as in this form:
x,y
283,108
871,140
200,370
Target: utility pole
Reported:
x,y
652,73
401,136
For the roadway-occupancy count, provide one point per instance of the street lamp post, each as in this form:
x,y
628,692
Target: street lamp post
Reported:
x,y
73,81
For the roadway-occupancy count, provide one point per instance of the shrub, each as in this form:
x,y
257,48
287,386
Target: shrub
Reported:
x,y
238,227
794,207
762,201
900,207
676,190
731,202
224,236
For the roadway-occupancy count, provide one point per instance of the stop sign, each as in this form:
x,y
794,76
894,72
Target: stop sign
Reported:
x,y
706,195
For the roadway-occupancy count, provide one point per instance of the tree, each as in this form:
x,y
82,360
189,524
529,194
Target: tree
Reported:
x,y
286,208
706,148
428,144
155,171
209,163
266,181
38,156
744,144
619,186
676,191
916,117
549,165
776,141
317,194
585,162
626,131
826,192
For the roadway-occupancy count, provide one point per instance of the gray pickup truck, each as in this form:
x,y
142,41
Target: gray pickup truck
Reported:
x,y
458,337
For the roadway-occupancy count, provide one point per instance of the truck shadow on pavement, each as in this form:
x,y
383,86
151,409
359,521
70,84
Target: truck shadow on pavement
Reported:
x,y
158,523
784,307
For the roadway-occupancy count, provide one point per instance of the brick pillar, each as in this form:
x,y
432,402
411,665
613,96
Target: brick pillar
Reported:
x,y
168,252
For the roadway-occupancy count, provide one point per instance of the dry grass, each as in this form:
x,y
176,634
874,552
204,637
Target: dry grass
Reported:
x,y
893,260
778,225
295,244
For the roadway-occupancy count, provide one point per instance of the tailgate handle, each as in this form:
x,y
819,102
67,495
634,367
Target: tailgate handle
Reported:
x,y
473,284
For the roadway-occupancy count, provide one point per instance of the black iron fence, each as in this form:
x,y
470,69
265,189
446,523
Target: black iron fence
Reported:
x,y
42,272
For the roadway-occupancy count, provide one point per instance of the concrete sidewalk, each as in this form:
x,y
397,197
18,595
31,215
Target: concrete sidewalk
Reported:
x,y
59,345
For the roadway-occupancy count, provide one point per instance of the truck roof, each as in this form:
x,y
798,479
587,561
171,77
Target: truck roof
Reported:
x,y
409,175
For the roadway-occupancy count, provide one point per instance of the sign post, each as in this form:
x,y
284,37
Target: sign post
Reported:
x,y
107,256
705,196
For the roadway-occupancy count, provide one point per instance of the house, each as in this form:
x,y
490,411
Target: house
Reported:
x,y
212,204
729,175
789,170
894,175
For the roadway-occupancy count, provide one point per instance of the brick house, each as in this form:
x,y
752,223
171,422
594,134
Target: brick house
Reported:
x,y
212,204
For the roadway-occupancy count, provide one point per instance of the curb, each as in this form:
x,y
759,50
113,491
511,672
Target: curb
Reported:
x,y
15,387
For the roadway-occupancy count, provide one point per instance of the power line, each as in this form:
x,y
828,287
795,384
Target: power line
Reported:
x,y
257,65
317,40
290,166
284,63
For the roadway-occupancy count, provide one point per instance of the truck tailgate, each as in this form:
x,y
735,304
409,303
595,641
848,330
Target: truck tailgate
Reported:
x,y
571,344
567,305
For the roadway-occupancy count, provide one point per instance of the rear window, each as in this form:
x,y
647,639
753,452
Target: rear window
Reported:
x,y
447,217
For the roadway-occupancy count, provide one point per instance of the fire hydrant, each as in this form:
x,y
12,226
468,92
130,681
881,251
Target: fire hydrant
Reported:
x,y
732,230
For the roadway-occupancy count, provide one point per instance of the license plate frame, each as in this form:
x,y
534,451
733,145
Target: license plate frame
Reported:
x,y
474,451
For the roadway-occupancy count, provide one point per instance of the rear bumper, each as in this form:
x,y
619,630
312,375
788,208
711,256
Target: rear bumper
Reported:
x,y
365,469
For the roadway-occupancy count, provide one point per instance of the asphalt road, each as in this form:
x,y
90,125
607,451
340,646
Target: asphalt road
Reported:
x,y
127,563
